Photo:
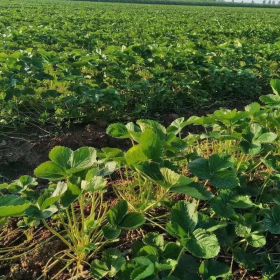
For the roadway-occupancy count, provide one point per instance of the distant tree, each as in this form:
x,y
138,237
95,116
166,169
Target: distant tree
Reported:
x,y
273,2
264,2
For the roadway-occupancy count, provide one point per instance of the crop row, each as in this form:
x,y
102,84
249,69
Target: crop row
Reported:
x,y
78,62
197,206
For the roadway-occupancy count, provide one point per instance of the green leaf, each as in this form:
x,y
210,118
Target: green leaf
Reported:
x,y
26,181
171,178
184,217
177,126
114,260
49,202
222,207
132,221
61,156
154,239
174,145
110,232
97,183
271,100
135,155
167,265
224,179
242,231
108,168
171,250
49,170
151,170
212,268
118,130
151,143
99,269
56,195
202,244
148,251
210,224
90,224
248,260
72,193
272,220
35,213
83,158
180,184
200,168
218,170
61,188
194,190
117,213
242,202
256,240
144,268
111,263
91,173
250,146
267,137
253,108
112,153
13,206
66,162
4,186
187,268
150,146
153,125
275,85
204,168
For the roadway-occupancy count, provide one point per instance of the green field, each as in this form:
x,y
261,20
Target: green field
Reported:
x,y
81,61
217,3
139,142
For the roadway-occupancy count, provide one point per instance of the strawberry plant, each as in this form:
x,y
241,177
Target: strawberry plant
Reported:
x,y
74,199
53,73
197,206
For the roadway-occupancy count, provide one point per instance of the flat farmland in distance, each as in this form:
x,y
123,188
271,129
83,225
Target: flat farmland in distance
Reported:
x,y
77,61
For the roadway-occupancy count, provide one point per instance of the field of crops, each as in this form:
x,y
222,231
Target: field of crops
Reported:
x,y
82,61
116,160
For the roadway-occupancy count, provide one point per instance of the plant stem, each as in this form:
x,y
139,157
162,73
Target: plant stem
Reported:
x,y
58,235
81,202
178,259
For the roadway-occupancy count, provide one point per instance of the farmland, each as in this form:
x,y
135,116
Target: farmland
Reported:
x,y
139,142
79,62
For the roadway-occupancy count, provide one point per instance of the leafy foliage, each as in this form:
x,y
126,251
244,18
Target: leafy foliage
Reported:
x,y
55,73
191,200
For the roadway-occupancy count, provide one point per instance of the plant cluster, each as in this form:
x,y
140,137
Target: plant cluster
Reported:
x,y
77,62
199,205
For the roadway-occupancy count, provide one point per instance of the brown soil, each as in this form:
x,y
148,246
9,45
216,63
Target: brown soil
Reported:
x,y
21,153
20,156
30,260
31,265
